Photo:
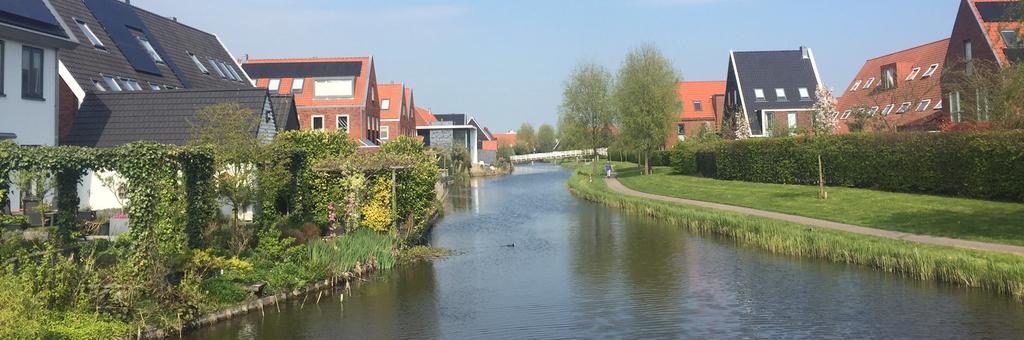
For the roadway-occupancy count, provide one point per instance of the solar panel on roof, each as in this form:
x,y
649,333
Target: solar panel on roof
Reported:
x,y
1014,55
116,18
996,11
306,69
32,14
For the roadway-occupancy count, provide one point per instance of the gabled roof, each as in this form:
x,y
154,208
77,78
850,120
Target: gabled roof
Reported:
x,y
359,68
506,138
424,117
689,92
396,94
33,21
769,70
117,26
285,113
115,118
994,16
913,61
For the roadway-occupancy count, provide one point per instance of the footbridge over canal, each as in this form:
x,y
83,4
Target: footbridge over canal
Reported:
x,y
556,155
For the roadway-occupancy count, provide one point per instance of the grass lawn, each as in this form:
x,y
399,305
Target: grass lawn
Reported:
x,y
997,222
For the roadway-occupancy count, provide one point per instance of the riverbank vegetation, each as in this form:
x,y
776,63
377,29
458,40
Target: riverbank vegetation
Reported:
x,y
978,220
317,209
997,273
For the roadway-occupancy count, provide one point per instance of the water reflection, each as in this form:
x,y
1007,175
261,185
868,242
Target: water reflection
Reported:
x,y
580,270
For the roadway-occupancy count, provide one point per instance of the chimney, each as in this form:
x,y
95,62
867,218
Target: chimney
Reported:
x,y
805,52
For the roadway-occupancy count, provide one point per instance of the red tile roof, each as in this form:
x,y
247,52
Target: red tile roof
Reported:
x,y
915,90
306,99
991,29
424,117
690,92
396,94
506,138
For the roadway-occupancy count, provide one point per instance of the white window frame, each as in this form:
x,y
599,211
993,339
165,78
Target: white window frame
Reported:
x,y
312,123
931,71
938,106
780,95
870,82
905,107
856,86
888,109
889,78
89,34
385,132
954,107
348,122
213,63
199,64
873,111
759,95
913,73
301,82
805,94
274,89
318,97
146,45
846,114
154,87
1016,34
923,105
111,82
385,104
98,85
698,106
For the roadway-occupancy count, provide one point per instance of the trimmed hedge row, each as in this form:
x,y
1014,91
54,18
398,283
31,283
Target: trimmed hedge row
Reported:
x,y
988,165
658,158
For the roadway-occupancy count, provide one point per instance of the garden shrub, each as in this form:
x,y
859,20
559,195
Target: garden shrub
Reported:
x,y
987,165
683,158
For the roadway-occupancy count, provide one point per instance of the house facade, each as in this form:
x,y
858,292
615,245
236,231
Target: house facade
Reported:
x,y
774,89
450,131
902,88
397,111
331,94
123,48
32,36
701,103
985,35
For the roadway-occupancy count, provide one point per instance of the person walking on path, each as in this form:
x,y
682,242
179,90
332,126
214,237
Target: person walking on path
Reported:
x,y
608,170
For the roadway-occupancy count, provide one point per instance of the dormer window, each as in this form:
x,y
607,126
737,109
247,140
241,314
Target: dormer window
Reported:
x,y
871,81
198,63
805,95
149,49
780,95
856,85
90,35
931,70
913,73
274,85
889,78
759,95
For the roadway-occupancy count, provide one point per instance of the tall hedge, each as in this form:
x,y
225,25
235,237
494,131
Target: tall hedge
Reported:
x,y
987,165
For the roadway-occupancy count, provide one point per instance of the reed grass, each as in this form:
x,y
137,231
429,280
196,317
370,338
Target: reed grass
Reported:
x,y
998,273
338,255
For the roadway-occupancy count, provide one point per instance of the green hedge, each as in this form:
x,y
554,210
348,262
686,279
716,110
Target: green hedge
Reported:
x,y
658,158
988,165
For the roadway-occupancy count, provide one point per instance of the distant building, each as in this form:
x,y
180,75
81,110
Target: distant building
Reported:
x,y
123,48
397,111
701,102
774,89
985,34
424,117
508,138
32,36
330,93
902,87
451,130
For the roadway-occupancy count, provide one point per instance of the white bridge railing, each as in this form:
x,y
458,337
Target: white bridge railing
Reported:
x,y
556,155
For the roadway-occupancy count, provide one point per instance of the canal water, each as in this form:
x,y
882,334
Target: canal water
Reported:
x,y
580,270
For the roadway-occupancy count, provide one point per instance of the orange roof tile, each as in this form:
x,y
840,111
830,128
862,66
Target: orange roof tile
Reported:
x,y
992,29
913,61
691,92
424,117
506,138
394,93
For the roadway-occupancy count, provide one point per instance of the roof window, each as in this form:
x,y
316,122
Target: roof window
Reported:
x,y
923,105
759,95
805,95
111,83
871,81
1012,38
213,64
149,49
913,73
904,107
90,35
856,85
198,63
931,71
888,109
780,95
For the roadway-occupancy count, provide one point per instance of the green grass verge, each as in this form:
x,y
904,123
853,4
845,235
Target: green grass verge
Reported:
x,y
999,273
978,220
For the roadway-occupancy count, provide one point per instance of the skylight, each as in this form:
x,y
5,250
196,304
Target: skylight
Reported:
x,y
198,63
873,111
804,94
149,49
856,86
870,82
904,107
297,85
888,109
98,85
385,104
112,83
780,95
216,68
846,114
1012,38
923,105
930,71
89,34
274,85
759,95
913,73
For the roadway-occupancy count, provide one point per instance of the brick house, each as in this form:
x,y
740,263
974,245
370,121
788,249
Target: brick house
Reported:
x,y
123,48
775,89
985,35
903,88
701,102
330,93
424,117
397,111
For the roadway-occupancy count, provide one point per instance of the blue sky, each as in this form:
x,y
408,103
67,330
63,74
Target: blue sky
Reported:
x,y
505,62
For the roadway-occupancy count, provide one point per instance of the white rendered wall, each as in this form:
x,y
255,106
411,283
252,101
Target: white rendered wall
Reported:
x,y
34,121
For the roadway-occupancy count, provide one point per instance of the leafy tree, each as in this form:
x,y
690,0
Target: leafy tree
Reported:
x,y
505,151
526,134
230,131
546,138
825,122
645,100
707,134
992,94
521,147
586,114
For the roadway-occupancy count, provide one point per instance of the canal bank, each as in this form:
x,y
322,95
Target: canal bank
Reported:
x,y
582,270
999,273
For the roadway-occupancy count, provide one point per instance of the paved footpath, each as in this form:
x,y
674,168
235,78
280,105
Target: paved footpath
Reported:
x,y
615,185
